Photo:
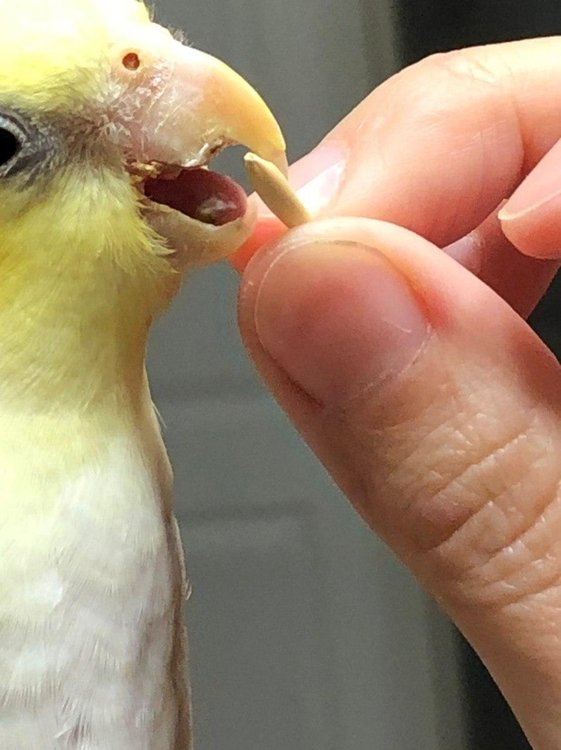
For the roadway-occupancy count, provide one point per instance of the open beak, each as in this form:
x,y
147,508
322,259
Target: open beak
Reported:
x,y
187,106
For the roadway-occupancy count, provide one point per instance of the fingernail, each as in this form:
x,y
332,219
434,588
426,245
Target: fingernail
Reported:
x,y
468,252
317,177
338,319
541,188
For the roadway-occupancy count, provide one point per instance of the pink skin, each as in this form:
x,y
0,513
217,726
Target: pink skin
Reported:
x,y
410,371
531,218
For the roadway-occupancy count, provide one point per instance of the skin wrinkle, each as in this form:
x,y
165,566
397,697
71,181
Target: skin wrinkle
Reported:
x,y
397,482
464,63
453,487
514,487
444,390
435,436
366,422
489,583
473,585
548,598
503,599
539,575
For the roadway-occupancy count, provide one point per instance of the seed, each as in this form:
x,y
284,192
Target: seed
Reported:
x,y
275,191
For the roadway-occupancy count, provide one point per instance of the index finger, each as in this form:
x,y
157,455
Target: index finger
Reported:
x,y
439,146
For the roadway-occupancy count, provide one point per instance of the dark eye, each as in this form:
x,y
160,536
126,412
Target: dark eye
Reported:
x,y
27,148
10,144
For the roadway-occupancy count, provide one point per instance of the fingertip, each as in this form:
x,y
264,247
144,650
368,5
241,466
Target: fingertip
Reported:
x,y
268,229
535,232
531,218
337,318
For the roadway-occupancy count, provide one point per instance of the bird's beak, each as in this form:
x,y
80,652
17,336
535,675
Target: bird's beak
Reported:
x,y
204,106
187,107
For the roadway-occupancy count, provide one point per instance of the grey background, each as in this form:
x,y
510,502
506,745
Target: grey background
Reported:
x,y
305,632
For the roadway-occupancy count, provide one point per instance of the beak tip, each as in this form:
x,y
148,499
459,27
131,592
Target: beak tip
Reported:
x,y
281,162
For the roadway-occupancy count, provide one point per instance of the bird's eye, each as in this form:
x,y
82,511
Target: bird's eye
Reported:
x,y
10,144
26,146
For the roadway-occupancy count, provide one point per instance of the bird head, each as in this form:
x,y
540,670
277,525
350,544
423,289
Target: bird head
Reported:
x,y
107,125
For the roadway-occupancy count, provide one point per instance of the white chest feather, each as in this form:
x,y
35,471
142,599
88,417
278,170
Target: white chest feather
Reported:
x,y
90,592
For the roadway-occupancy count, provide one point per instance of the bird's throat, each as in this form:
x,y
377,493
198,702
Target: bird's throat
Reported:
x,y
73,346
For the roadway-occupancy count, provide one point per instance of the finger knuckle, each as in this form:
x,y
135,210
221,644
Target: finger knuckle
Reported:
x,y
465,483
468,65
496,524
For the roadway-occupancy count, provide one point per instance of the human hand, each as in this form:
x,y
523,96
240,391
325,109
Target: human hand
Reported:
x,y
409,370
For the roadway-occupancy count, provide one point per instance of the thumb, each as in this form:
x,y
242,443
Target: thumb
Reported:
x,y
437,411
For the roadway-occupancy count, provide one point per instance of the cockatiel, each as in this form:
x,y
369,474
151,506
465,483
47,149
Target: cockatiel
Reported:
x,y
106,123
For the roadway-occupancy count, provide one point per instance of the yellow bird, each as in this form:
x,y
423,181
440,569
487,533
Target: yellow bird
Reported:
x,y
107,123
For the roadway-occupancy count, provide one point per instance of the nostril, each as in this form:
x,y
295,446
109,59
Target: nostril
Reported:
x,y
131,61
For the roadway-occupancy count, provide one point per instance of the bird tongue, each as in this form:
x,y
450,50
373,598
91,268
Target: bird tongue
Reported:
x,y
206,196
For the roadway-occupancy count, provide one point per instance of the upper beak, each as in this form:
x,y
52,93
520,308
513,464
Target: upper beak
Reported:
x,y
202,106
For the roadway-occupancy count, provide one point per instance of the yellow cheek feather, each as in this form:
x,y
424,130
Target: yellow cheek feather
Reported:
x,y
81,278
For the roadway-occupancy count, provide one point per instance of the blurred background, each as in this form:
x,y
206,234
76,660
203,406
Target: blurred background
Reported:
x,y
305,632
